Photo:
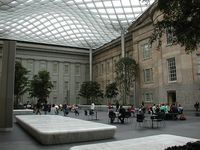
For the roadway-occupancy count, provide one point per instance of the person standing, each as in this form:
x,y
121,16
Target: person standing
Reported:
x,y
196,106
45,107
38,107
117,106
92,107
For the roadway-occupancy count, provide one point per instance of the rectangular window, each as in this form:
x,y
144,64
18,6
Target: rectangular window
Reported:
x,y
198,64
148,75
172,69
114,64
170,35
66,69
146,51
99,69
96,70
108,67
77,70
54,85
148,97
77,86
43,65
102,67
30,66
102,84
55,99
55,68
66,84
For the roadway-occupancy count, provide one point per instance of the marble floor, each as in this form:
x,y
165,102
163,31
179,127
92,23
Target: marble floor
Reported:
x,y
19,139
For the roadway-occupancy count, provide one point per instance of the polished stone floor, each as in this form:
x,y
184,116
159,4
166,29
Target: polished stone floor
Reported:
x,y
18,139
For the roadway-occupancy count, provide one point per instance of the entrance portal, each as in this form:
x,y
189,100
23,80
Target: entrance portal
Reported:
x,y
171,97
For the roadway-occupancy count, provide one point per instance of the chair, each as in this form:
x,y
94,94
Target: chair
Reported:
x,y
160,119
139,119
86,114
127,115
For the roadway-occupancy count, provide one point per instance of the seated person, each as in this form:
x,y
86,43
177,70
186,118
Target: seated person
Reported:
x,y
122,113
131,109
180,109
112,116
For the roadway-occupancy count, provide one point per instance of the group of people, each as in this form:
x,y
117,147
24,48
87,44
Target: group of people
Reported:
x,y
120,112
55,109
173,108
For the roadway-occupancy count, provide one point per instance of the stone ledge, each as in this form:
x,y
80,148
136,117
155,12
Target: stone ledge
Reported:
x,y
156,142
23,112
53,129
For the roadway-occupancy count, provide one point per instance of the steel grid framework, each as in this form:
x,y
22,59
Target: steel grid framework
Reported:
x,y
76,23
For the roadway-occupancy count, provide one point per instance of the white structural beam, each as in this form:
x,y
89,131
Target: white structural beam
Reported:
x,y
90,64
122,43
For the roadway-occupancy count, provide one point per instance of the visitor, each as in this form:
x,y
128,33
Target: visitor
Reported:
x,y
38,107
45,107
180,109
196,106
117,106
122,113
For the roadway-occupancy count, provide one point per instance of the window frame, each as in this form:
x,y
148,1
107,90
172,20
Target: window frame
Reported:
x,y
150,94
146,51
150,75
171,69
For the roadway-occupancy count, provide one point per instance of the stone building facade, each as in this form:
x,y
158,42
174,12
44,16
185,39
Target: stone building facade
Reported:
x,y
68,68
166,74
104,60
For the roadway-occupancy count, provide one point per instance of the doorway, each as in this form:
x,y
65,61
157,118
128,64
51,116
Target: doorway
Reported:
x,y
171,97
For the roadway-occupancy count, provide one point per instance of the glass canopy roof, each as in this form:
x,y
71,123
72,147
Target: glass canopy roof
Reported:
x,y
77,23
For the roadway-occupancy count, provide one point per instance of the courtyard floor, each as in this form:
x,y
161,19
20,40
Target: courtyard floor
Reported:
x,y
18,139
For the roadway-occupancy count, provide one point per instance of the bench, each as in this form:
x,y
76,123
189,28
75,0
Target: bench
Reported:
x,y
54,129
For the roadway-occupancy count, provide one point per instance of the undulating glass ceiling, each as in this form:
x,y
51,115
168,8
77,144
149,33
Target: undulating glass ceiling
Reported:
x,y
77,23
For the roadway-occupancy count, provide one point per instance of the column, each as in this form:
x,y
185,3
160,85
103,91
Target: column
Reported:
x,y
122,43
7,85
90,64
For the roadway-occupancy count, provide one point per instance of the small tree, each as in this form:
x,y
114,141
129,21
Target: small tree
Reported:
x,y
21,81
91,91
111,90
40,86
126,69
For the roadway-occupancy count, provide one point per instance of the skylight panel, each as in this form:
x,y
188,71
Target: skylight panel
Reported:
x,y
64,20
60,29
126,2
119,10
44,30
107,3
102,10
47,23
99,4
116,3
128,10
90,5
110,11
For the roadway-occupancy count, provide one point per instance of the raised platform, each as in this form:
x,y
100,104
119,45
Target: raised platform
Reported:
x,y
156,142
23,112
53,129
